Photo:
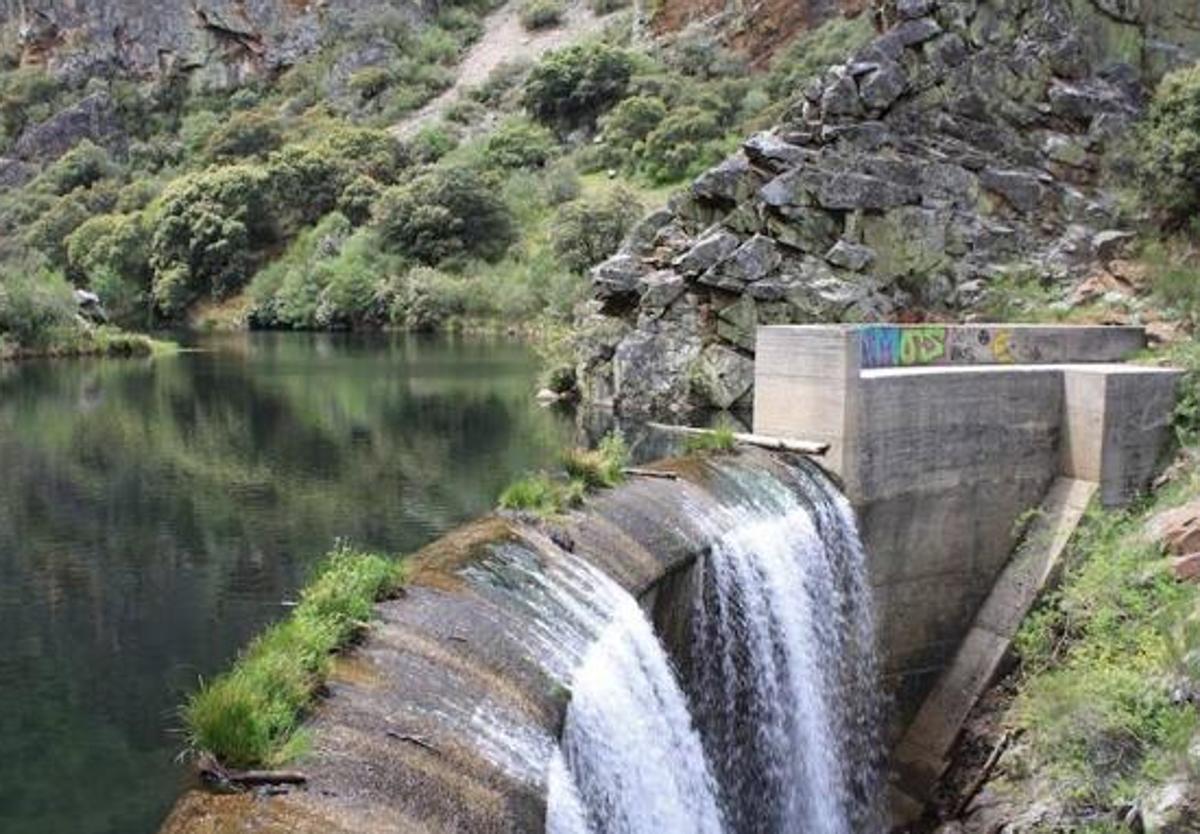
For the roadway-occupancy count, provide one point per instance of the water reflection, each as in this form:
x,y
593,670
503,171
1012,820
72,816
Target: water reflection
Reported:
x,y
153,516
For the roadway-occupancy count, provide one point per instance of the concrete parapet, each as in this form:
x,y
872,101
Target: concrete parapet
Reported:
x,y
943,436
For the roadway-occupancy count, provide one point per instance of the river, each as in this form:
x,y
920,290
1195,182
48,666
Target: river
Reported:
x,y
156,514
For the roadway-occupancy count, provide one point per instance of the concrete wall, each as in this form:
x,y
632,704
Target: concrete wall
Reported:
x,y
943,441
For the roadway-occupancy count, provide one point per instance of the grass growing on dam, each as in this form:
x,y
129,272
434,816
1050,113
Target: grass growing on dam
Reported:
x,y
586,470
720,440
248,717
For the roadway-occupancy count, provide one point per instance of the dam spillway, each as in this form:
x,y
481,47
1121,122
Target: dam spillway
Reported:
x,y
683,655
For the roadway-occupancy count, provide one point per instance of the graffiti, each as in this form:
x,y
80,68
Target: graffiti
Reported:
x,y
1002,347
883,347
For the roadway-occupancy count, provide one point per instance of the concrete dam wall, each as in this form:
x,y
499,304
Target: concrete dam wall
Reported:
x,y
723,649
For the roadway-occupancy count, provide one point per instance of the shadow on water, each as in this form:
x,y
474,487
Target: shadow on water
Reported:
x,y
155,514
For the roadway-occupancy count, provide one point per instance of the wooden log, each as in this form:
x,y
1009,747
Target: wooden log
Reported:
x,y
984,774
651,473
779,444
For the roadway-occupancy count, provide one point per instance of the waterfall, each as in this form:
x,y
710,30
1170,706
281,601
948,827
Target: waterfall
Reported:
x,y
780,729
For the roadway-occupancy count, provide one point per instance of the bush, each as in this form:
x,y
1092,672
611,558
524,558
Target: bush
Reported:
x,y
519,143
502,81
427,299
247,717
631,121
48,233
600,468
206,228
682,143
719,440
588,231
431,143
358,198
542,495
575,85
245,135
27,95
444,213
36,303
541,14
1169,148
111,253
80,167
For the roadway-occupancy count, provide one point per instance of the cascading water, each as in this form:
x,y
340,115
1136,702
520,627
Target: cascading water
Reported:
x,y
782,684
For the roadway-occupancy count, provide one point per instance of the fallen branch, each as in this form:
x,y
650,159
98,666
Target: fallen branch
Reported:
x,y
213,771
779,444
420,741
651,473
981,779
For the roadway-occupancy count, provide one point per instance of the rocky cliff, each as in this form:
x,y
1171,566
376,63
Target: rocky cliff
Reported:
x,y
219,43
965,142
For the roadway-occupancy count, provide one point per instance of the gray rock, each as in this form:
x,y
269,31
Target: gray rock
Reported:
x,y
619,276
661,289
752,261
94,118
807,229
723,376
730,182
850,191
14,172
1081,102
880,89
1111,244
738,323
716,245
650,370
1021,190
914,32
912,9
775,154
646,233
841,98
852,256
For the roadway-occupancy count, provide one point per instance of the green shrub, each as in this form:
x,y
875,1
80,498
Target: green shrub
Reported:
x,y
541,14
680,145
245,135
519,143
248,716
560,184
27,95
48,233
588,231
431,143
111,253
205,230
576,85
426,299
80,167
358,199
1168,145
37,304
443,213
631,121
370,82
504,80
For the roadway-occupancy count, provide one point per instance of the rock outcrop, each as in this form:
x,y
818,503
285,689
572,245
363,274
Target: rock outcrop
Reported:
x,y
966,140
219,43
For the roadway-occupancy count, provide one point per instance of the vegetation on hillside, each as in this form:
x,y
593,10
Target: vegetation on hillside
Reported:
x,y
293,195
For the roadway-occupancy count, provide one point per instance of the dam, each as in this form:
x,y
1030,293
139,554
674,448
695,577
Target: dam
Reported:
x,y
736,644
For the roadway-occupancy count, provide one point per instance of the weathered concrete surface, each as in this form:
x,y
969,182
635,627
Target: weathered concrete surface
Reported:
x,y
921,756
424,724
941,457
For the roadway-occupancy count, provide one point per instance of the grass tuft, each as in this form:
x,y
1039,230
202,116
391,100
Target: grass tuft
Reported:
x,y
719,440
249,716
587,471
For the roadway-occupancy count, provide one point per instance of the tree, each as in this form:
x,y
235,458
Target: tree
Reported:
x,y
443,213
1169,155
573,86
588,231
519,144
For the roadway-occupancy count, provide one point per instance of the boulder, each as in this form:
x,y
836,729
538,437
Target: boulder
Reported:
x,y
774,153
809,230
14,173
840,98
732,181
852,256
738,323
723,377
1021,190
94,118
752,261
1186,568
880,89
651,370
619,276
850,191
716,245
912,9
661,289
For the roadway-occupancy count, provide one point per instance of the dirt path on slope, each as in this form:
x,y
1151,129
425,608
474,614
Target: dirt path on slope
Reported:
x,y
504,39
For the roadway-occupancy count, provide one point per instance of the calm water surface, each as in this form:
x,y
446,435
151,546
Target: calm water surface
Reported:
x,y
154,514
